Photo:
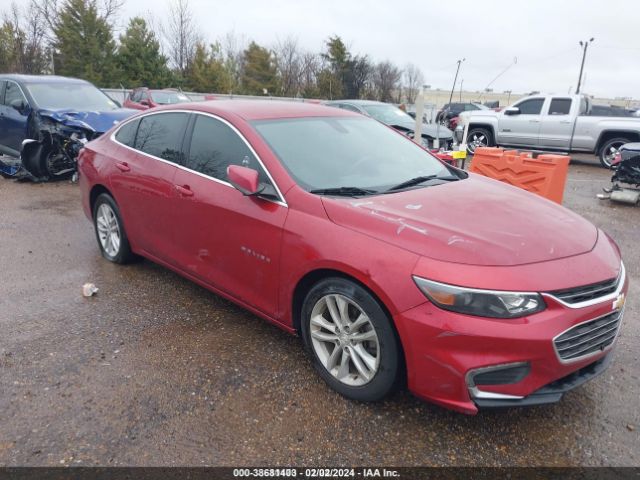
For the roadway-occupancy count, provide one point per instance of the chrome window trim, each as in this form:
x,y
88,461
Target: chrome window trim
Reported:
x,y
282,200
592,354
594,301
475,392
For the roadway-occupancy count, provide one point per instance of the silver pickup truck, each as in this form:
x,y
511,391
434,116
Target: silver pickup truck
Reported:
x,y
552,123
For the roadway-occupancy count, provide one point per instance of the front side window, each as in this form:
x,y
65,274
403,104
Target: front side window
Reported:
x,y
386,113
351,108
214,146
161,135
334,152
13,94
531,107
560,106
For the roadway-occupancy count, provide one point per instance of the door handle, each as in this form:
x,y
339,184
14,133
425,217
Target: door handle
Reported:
x,y
534,121
123,166
184,190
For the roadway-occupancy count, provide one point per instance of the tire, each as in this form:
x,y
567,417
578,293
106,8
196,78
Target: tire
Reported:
x,y
609,149
478,137
366,358
107,223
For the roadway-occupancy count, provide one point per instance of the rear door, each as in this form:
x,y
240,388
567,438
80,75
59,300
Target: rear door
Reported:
x,y
228,240
557,124
142,179
522,129
14,121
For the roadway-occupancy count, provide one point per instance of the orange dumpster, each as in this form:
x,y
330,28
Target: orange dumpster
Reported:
x,y
544,175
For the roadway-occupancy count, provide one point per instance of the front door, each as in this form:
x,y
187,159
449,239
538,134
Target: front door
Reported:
x,y
228,240
523,128
14,120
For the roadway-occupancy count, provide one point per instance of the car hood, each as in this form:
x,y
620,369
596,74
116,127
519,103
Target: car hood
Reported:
x,y
479,113
98,122
476,221
428,129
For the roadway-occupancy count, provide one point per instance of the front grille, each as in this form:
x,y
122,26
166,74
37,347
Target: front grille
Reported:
x,y
587,292
588,338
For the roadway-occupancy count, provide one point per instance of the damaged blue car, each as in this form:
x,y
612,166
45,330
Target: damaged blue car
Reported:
x,y
45,120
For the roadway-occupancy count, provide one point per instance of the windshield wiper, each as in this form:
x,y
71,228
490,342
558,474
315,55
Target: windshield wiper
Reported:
x,y
418,180
344,191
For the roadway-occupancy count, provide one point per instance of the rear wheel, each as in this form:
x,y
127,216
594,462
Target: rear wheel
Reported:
x,y
110,233
478,137
610,149
350,340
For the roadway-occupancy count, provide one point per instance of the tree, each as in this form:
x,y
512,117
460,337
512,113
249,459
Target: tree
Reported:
x,y
259,76
288,65
413,80
331,80
208,72
22,41
139,59
84,43
233,48
358,74
386,80
182,36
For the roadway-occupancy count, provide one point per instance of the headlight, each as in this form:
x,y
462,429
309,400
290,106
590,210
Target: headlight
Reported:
x,y
482,303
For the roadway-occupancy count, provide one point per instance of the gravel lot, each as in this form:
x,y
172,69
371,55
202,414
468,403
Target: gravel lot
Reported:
x,y
155,370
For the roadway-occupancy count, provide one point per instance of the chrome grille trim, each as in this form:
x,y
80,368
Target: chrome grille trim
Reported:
x,y
593,341
619,283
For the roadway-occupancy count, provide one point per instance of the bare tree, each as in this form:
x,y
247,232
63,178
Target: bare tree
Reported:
x,y
386,80
233,47
181,35
289,66
28,48
310,65
413,80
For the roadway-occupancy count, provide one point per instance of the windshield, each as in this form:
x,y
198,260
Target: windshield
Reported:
x,y
70,96
387,114
167,98
334,152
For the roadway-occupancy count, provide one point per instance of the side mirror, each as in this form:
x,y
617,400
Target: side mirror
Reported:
x,y
512,111
18,105
244,179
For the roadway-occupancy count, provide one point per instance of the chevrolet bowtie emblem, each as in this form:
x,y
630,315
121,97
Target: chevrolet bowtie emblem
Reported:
x,y
618,303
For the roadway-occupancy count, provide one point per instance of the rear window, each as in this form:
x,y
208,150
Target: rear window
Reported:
x,y
161,135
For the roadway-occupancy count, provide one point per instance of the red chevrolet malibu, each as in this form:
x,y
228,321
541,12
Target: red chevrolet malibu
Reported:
x,y
392,266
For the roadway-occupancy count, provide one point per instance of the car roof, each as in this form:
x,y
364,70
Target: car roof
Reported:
x,y
264,109
357,102
41,78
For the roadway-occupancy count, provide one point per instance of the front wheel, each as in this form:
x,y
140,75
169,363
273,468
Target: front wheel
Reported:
x,y
478,137
350,340
610,149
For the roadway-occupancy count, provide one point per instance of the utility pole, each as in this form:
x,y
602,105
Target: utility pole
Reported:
x,y
584,46
455,80
461,82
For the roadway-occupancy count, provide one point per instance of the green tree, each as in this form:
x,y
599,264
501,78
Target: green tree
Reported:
x,y
208,73
84,44
9,47
139,59
259,73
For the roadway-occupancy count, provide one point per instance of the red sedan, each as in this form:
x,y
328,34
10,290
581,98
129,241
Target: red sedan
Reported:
x,y
392,266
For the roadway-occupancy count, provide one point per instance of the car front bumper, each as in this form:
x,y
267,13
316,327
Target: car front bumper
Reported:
x,y
445,350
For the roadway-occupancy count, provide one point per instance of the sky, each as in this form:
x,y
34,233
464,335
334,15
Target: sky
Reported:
x,y
542,35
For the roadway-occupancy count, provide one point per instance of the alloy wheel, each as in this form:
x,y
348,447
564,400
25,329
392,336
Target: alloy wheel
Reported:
x,y
344,340
108,230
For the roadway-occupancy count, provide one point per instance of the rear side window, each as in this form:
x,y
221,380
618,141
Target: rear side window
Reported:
x,y
560,106
161,135
136,95
531,107
127,133
215,146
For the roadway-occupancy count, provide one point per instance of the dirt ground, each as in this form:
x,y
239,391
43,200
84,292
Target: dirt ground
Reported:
x,y
155,370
